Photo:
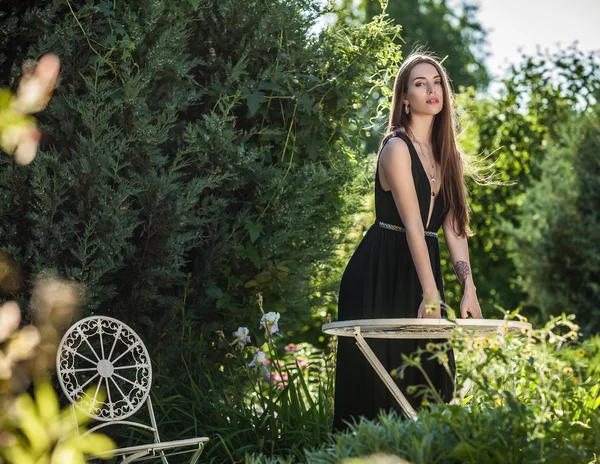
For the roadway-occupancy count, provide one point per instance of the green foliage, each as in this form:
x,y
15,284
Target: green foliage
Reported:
x,y
35,431
534,399
265,398
557,244
536,101
448,31
192,141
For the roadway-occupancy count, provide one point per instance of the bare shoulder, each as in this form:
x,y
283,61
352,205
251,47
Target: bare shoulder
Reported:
x,y
395,154
395,164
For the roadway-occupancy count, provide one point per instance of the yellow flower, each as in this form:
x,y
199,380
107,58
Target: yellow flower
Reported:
x,y
494,346
425,403
581,353
527,351
499,401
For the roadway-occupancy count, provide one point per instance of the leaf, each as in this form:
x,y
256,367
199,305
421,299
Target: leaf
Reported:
x,y
47,403
254,230
31,425
214,292
272,86
95,443
263,277
254,100
109,41
305,102
251,252
462,451
250,284
194,3
106,9
67,452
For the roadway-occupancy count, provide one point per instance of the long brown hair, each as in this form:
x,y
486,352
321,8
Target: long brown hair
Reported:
x,y
452,161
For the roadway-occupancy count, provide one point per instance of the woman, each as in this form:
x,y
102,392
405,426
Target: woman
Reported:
x,y
396,271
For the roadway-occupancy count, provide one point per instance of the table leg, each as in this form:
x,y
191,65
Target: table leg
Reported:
x,y
384,374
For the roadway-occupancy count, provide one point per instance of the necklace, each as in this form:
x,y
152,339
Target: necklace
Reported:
x,y
432,176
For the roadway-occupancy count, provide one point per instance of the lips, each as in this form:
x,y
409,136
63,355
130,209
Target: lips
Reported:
x,y
433,101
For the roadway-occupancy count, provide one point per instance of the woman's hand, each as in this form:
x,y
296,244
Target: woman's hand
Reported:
x,y
430,306
469,304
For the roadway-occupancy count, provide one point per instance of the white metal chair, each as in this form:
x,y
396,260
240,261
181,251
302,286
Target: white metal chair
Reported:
x,y
101,353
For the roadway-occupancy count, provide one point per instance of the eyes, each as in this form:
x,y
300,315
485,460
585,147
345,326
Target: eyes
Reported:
x,y
418,84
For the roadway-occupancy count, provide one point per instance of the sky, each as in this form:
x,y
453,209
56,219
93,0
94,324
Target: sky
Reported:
x,y
514,24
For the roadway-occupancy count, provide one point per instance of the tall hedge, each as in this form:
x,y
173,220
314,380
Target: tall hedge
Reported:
x,y
195,154
557,245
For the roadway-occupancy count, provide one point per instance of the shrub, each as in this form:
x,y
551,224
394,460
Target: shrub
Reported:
x,y
535,399
557,245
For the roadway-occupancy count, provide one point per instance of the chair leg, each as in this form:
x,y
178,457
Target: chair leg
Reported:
x,y
134,456
163,458
197,454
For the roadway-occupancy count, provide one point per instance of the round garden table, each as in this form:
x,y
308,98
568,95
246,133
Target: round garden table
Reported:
x,y
412,328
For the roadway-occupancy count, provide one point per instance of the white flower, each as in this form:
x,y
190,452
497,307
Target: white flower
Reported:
x,y
242,337
269,322
259,359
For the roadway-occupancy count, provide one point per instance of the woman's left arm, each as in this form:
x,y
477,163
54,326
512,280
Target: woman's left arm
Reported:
x,y
459,254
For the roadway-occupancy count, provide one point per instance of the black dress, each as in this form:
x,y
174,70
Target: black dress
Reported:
x,y
381,281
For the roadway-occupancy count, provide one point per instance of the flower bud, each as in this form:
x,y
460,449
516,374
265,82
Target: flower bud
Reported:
x,y
10,318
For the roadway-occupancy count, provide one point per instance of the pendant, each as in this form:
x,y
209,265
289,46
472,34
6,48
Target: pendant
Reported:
x,y
433,179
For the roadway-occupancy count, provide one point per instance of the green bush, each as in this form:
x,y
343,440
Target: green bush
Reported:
x,y
265,397
535,398
194,153
535,102
556,247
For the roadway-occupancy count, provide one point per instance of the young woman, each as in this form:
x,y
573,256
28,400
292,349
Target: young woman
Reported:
x,y
396,271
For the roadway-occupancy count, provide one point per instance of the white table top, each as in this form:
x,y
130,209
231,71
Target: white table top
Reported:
x,y
413,328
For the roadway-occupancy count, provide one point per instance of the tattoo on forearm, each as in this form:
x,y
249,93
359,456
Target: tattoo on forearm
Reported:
x,y
462,271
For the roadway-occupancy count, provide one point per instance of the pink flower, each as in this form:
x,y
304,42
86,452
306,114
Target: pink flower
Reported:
x,y
36,87
302,363
292,347
274,378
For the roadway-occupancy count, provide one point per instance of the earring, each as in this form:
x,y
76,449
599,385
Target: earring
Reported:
x,y
406,110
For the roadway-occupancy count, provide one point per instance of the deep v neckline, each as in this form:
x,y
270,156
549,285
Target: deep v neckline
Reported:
x,y
430,209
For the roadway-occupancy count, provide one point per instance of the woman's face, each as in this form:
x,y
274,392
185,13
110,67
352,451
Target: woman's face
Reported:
x,y
424,92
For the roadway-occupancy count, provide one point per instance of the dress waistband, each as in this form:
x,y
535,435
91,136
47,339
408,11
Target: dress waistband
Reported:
x,y
402,229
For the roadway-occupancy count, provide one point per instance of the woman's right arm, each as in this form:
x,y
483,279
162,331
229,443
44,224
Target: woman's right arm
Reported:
x,y
397,176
